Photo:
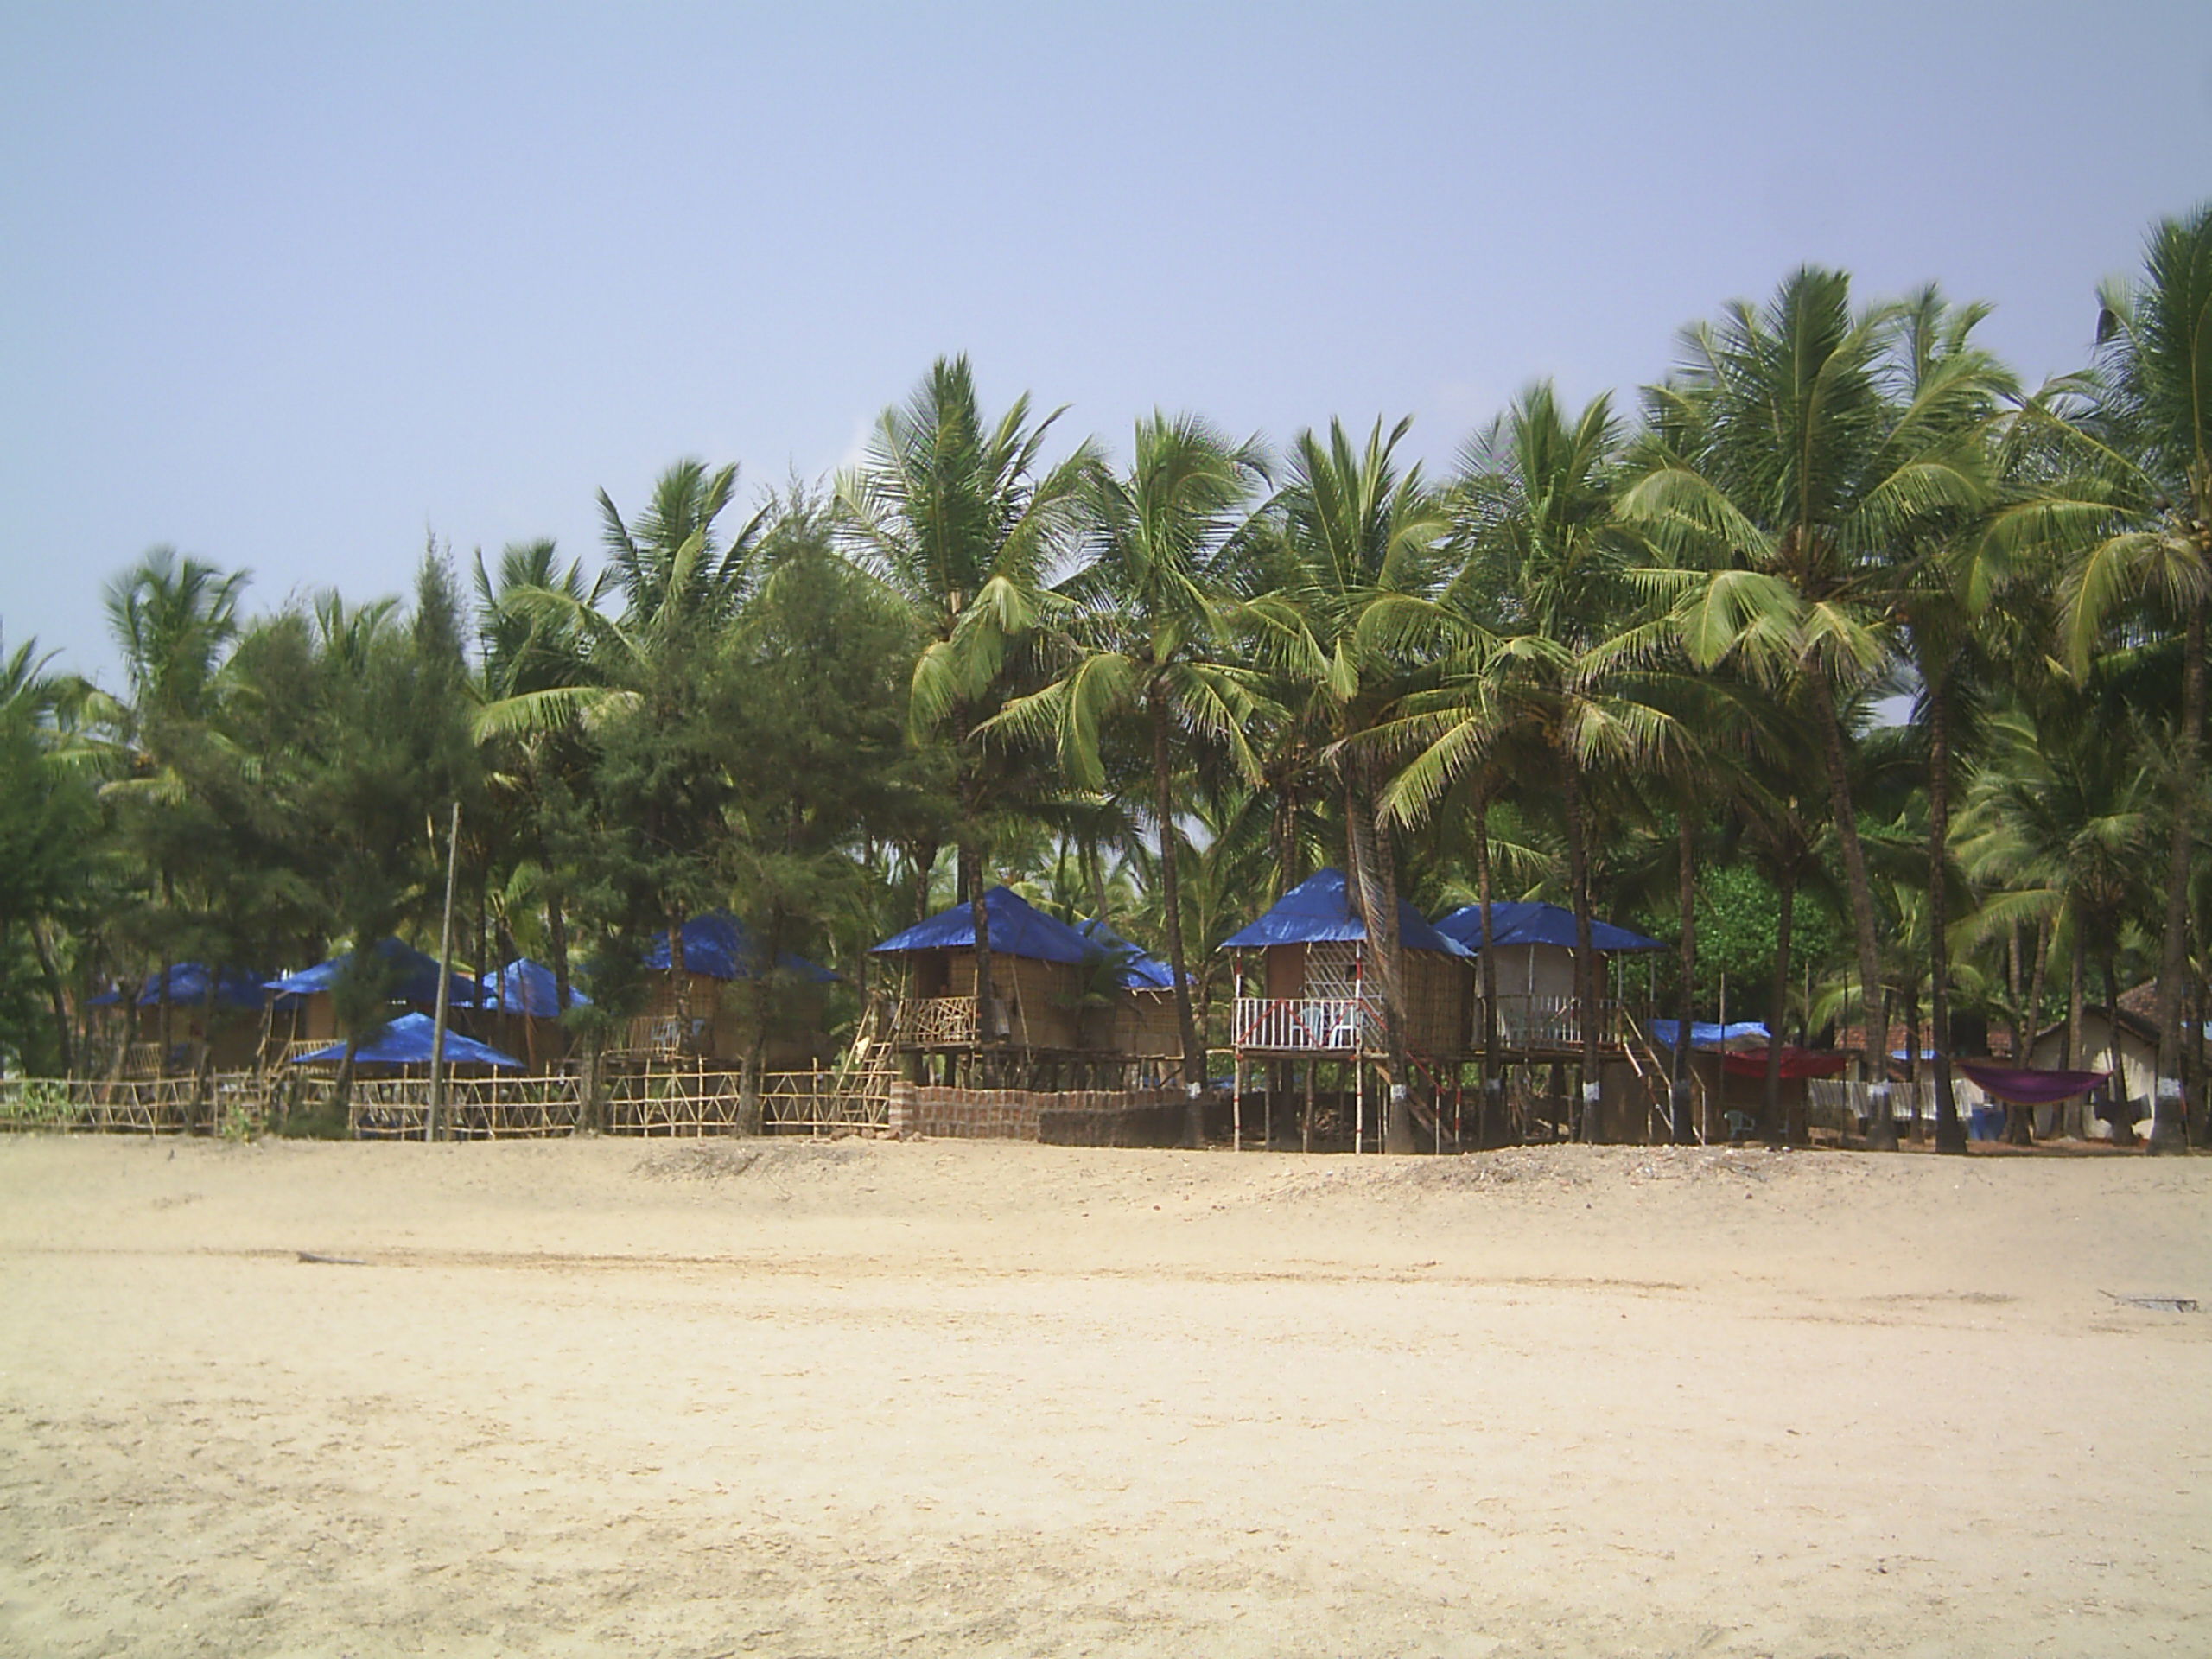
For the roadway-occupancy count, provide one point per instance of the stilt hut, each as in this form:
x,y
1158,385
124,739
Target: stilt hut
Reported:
x,y
1306,990
705,1019
1060,999
306,1012
1540,1014
215,1018
1140,1021
520,1009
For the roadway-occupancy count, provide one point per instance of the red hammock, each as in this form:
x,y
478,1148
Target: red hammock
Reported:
x,y
2017,1087
1795,1063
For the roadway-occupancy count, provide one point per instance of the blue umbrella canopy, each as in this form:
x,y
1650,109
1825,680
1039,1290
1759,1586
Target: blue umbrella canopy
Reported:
x,y
1529,923
407,1041
527,987
1318,910
717,945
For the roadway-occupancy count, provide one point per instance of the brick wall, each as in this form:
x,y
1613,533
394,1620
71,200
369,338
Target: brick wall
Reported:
x,y
1006,1114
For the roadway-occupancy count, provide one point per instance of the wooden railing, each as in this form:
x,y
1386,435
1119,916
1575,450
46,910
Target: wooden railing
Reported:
x,y
131,1106
1548,1022
936,1022
1326,1023
476,1109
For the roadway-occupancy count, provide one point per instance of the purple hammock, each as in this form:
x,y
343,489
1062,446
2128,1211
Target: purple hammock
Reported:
x,y
2024,1087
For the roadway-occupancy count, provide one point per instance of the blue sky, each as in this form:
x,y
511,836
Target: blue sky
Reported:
x,y
293,288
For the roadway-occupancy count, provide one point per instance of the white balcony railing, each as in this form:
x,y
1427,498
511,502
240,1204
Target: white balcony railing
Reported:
x,y
1328,1024
1548,1022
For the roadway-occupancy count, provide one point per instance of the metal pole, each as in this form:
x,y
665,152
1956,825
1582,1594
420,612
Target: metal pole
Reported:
x,y
445,980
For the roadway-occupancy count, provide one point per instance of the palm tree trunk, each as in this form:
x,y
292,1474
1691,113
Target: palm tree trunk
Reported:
x,y
1780,1133
1882,1131
2173,954
1194,1056
1686,881
2019,1121
2077,1056
1489,1128
679,979
979,913
2123,1122
42,947
1950,1132
1589,1120
1375,894
557,941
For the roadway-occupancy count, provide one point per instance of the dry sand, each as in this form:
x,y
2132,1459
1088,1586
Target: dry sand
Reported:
x,y
703,1399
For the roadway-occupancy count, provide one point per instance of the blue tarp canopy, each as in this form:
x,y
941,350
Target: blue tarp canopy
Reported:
x,y
527,987
1018,929
1139,972
1703,1034
406,1041
1318,910
717,945
235,987
416,976
1530,923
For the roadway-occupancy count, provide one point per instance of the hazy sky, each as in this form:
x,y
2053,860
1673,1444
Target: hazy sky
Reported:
x,y
292,287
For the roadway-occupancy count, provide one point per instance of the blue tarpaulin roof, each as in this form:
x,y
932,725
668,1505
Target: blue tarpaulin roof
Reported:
x,y
407,1041
1529,923
1318,910
1139,972
717,945
417,980
235,987
527,987
1703,1034
1018,929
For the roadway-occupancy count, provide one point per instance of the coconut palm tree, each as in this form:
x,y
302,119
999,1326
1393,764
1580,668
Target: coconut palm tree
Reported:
x,y
2131,510
1355,561
1554,651
1146,637
1801,465
960,517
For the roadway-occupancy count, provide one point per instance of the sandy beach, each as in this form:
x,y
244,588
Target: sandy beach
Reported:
x,y
849,1397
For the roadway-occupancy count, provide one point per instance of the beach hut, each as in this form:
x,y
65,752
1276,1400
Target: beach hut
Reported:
x,y
1314,979
1539,1013
706,1019
1141,1020
1058,993
519,1004
215,1016
2100,1120
307,1014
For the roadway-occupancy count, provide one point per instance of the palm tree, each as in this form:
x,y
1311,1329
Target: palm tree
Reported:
x,y
1356,568
2132,510
1146,637
1799,463
173,619
1545,598
960,518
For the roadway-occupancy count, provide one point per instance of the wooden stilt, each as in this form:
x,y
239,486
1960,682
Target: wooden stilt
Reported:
x,y
1359,1105
1236,1105
1306,1120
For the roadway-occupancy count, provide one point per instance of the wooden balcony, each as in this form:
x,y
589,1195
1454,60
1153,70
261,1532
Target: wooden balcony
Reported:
x,y
1324,1025
936,1022
1547,1024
